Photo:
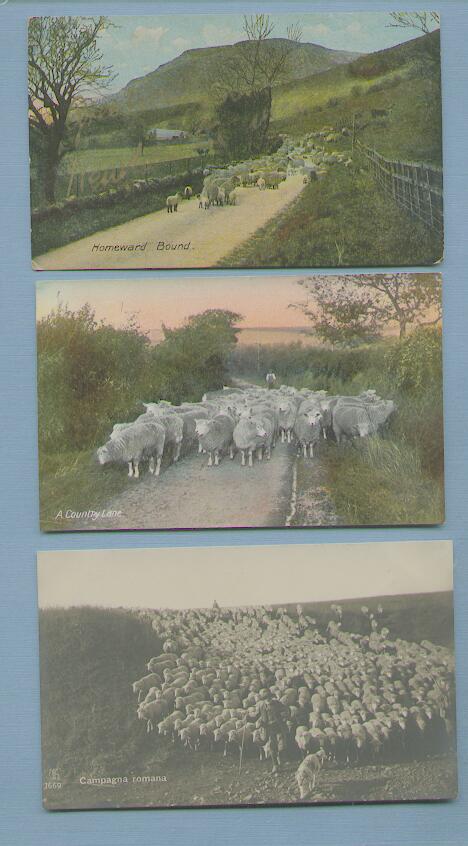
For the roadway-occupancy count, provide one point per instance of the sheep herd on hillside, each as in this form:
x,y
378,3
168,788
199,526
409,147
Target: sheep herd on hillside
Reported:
x,y
270,682
242,421
306,156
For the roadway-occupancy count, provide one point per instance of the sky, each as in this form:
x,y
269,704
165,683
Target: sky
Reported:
x,y
244,575
137,45
262,300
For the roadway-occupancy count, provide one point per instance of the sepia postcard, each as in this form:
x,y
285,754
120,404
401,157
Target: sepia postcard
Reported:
x,y
239,402
247,675
221,140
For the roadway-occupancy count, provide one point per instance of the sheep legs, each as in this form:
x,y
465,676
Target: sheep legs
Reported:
x,y
130,468
250,458
311,450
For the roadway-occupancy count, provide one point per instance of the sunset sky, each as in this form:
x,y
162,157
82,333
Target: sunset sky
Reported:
x,y
263,301
137,45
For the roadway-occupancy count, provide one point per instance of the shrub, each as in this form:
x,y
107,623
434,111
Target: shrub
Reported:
x,y
416,361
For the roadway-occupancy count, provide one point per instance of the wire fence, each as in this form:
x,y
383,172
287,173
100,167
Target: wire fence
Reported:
x,y
416,187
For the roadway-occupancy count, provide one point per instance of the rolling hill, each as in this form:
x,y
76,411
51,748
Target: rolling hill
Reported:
x,y
189,78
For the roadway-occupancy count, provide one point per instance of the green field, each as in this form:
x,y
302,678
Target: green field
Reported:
x,y
106,158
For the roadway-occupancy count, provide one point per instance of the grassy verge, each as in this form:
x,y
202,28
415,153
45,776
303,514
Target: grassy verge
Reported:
x,y
381,482
342,220
47,235
75,481
395,478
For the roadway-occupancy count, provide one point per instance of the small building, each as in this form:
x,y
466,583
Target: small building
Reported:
x,y
166,134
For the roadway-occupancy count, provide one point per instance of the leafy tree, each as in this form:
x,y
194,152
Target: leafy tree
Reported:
x,y
245,80
242,124
194,357
347,310
65,64
92,375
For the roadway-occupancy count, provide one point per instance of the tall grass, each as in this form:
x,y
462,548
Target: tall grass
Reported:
x,y
398,476
344,217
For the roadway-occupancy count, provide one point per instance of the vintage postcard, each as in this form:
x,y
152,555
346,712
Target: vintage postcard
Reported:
x,y
240,402
222,140
247,675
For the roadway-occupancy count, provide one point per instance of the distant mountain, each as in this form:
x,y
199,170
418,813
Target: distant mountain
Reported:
x,y
189,78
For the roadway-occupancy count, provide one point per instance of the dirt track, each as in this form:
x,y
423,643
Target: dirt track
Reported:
x,y
201,779
192,495
210,234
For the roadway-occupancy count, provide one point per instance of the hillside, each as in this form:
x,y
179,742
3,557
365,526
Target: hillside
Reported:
x,y
190,77
403,80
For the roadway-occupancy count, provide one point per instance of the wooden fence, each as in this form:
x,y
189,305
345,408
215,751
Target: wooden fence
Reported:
x,y
416,187
87,183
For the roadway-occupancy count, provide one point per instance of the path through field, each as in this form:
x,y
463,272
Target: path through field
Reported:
x,y
211,234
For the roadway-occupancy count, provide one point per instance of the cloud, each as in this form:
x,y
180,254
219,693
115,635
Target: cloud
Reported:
x,y
148,34
214,35
318,29
181,43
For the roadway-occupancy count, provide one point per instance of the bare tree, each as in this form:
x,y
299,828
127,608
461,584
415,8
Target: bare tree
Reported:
x,y
346,310
423,21
65,64
255,64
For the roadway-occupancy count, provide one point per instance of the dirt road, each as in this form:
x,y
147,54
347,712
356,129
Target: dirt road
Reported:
x,y
190,238
190,494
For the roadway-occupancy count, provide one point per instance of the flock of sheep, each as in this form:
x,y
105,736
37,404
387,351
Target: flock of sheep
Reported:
x,y
245,421
307,156
269,681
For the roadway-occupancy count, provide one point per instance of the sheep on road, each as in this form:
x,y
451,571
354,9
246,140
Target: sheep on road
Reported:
x,y
214,436
134,444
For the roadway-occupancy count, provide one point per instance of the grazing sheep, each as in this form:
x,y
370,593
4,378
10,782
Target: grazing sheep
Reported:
x,y
360,420
261,183
134,444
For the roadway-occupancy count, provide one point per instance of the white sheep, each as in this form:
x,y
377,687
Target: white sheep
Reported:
x,y
188,192
132,445
172,202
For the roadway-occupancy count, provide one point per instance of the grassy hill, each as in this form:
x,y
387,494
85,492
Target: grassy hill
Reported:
x,y
404,80
190,77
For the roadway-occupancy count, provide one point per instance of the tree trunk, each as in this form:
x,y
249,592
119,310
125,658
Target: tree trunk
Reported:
x,y
50,170
402,328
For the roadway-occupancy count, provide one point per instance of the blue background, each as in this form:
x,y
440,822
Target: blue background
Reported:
x,y
23,822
